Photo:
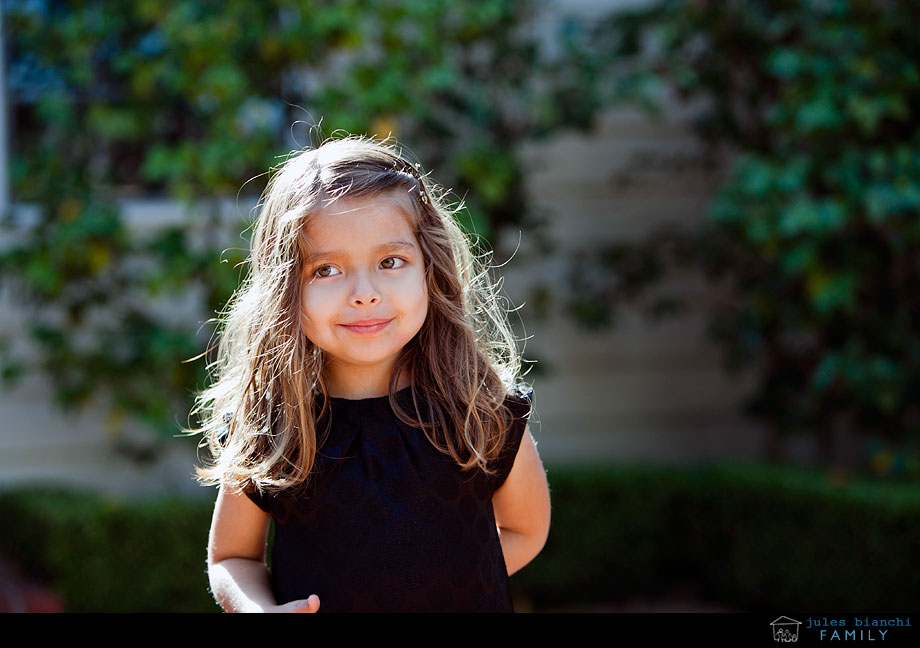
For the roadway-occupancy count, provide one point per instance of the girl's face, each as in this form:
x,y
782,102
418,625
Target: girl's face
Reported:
x,y
363,296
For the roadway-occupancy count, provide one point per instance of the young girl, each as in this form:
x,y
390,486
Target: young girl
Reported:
x,y
364,401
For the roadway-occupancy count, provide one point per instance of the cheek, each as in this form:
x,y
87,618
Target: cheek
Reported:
x,y
422,305
310,311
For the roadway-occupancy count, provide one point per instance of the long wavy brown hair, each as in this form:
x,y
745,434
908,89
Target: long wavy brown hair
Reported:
x,y
259,415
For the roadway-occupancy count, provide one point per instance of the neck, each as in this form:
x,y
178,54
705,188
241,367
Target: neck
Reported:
x,y
357,385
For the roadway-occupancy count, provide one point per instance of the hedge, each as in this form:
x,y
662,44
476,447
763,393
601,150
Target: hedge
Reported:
x,y
752,537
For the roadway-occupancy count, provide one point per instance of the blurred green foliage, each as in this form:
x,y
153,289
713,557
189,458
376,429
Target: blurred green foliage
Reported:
x,y
102,554
815,228
192,100
748,537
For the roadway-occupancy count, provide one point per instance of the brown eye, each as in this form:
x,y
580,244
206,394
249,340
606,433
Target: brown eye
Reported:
x,y
391,263
325,271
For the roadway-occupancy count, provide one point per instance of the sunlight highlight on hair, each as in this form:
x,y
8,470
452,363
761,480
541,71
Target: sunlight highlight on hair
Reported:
x,y
257,417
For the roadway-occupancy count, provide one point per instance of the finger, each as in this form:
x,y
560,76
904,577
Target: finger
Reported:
x,y
310,605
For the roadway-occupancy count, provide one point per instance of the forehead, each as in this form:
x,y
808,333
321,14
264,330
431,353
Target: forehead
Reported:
x,y
357,223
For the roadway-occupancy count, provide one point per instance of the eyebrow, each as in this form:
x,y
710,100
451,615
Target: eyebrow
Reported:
x,y
389,246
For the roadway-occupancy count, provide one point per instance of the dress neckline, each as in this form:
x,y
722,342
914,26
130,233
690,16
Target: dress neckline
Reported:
x,y
405,391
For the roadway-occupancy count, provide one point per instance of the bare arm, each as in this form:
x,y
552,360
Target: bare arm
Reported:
x,y
236,558
522,507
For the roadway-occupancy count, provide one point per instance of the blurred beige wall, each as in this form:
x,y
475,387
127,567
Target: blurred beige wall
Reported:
x,y
641,392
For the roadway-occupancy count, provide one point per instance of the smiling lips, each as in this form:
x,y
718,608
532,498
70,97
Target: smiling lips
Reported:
x,y
368,326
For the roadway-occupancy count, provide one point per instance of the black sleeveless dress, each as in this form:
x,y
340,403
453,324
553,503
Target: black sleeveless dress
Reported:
x,y
388,523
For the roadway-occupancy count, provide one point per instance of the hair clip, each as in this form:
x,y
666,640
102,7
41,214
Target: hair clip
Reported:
x,y
423,196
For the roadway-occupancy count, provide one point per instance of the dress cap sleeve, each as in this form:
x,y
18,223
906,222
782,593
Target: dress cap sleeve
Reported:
x,y
518,402
261,500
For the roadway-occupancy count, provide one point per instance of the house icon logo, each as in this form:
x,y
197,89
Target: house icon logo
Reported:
x,y
785,629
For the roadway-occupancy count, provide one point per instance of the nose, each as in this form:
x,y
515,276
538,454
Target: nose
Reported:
x,y
365,292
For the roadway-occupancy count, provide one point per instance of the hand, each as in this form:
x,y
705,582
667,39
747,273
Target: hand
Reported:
x,y
308,605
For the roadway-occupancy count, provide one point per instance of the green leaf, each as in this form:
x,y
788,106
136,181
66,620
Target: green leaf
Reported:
x,y
785,63
812,216
112,123
818,113
831,292
827,371
867,111
798,258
